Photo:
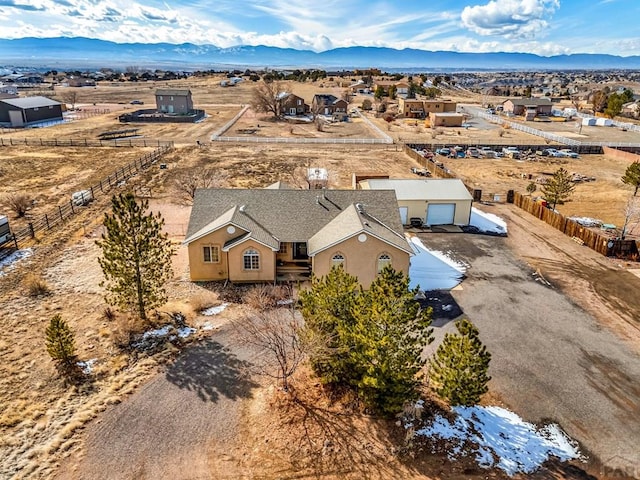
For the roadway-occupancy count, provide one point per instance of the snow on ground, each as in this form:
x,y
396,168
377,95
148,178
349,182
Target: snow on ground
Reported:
x,y
433,270
87,366
500,438
487,222
586,221
218,309
8,262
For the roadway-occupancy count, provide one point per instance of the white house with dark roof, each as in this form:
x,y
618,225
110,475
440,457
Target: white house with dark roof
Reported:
x,y
265,235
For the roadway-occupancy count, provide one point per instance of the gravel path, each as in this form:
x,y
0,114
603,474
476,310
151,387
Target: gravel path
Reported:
x,y
551,360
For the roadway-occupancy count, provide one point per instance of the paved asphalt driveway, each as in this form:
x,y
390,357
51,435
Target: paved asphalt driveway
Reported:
x,y
550,359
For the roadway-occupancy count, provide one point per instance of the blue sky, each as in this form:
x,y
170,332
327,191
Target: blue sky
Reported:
x,y
545,27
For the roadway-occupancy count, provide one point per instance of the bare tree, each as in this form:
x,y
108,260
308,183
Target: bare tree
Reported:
x,y
19,203
275,331
631,215
70,96
268,97
188,182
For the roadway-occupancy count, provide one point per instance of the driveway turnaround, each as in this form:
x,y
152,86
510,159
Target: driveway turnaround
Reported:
x,y
551,361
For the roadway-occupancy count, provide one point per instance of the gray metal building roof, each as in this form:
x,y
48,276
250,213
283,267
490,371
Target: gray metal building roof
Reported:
x,y
30,102
438,189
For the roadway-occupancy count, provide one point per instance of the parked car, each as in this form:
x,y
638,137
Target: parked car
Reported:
x,y
511,152
445,152
487,152
136,102
567,152
421,171
473,152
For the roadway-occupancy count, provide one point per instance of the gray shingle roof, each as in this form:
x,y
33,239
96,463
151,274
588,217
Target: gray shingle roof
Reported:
x,y
298,215
30,102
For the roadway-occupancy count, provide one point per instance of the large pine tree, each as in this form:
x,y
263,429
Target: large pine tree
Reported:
x,y
136,256
632,177
459,369
60,344
558,188
327,309
386,342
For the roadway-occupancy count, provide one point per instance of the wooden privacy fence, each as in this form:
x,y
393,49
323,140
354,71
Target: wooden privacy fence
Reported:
x,y
429,163
83,142
66,210
592,239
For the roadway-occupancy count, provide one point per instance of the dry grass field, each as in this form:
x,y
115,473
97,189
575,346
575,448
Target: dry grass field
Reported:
x,y
40,417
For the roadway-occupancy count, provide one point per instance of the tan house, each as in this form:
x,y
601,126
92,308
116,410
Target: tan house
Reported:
x,y
445,119
528,107
174,101
267,235
436,201
414,108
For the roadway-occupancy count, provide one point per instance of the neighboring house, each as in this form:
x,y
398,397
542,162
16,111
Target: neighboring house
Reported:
x,y
265,235
81,82
402,88
631,108
414,108
410,108
325,104
434,201
445,119
174,101
22,112
9,89
529,107
292,104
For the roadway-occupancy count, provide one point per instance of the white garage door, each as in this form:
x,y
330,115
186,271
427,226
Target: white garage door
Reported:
x,y
404,211
440,213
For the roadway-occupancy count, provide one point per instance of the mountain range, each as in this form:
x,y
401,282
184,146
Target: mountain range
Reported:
x,y
82,53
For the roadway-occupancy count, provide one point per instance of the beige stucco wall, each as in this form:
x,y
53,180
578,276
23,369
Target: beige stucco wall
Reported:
x,y
418,208
201,271
361,258
267,270
446,120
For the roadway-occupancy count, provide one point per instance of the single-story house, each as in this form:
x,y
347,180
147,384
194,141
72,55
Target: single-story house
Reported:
x,y
326,104
292,104
265,235
174,101
402,88
81,82
530,107
22,112
445,119
436,201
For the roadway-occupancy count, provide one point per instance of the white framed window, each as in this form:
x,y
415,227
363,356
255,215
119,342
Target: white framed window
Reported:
x,y
251,259
283,248
35,109
337,260
211,254
383,260
160,97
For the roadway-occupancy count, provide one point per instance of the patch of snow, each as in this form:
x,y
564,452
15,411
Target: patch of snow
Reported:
x,y
184,332
158,332
214,310
433,270
8,263
207,326
487,222
288,301
500,438
87,366
586,221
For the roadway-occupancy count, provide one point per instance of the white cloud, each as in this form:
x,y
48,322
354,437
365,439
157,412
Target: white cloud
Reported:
x,y
512,19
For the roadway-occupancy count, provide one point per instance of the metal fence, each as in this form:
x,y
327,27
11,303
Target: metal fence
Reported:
x,y
83,142
68,209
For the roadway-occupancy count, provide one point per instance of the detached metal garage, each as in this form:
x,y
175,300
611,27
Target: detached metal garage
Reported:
x,y
22,112
435,201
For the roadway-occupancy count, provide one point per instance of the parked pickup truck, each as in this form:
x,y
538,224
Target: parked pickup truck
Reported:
x,y
421,171
511,152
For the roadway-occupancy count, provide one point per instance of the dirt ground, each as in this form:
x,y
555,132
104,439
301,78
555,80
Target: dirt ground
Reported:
x,y
604,199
